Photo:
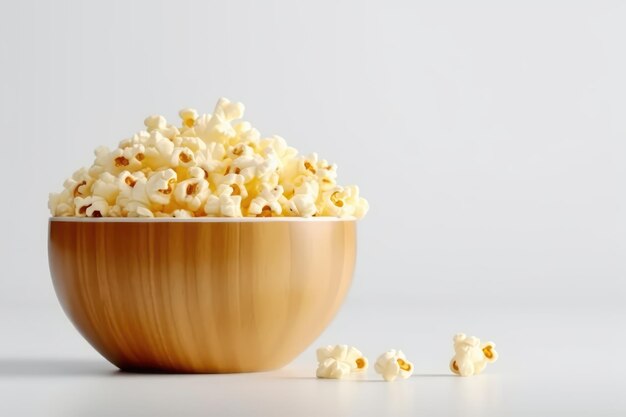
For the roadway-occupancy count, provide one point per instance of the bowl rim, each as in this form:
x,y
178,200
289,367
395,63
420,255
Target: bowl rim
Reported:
x,y
74,219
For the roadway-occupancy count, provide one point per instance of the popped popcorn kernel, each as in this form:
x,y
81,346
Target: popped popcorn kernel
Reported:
x,y
160,186
393,364
339,361
188,116
155,122
267,203
470,356
209,165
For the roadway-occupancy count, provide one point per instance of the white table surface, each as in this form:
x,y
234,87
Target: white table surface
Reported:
x,y
550,364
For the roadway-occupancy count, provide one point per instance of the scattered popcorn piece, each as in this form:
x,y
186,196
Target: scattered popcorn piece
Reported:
x,y
392,364
211,165
333,369
470,356
339,361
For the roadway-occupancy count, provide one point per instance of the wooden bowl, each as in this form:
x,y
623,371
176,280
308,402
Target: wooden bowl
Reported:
x,y
201,295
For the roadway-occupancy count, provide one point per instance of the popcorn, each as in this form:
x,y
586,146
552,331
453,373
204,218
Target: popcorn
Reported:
x,y
192,193
339,361
236,182
333,369
92,206
217,127
225,203
343,201
160,185
183,157
106,188
211,165
155,122
182,214
61,204
267,204
159,150
133,199
392,364
471,357
188,116
78,185
304,199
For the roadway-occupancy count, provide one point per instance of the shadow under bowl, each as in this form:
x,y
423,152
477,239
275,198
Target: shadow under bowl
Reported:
x,y
201,295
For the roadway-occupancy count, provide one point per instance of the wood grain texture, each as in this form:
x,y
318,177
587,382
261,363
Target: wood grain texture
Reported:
x,y
200,296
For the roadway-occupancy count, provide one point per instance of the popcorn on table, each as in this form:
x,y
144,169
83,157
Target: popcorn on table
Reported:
x,y
393,364
209,165
339,361
470,356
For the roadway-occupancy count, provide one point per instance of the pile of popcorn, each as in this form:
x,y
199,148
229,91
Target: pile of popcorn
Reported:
x,y
210,165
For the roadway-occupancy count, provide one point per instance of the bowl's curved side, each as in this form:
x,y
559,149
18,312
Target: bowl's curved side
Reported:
x,y
203,297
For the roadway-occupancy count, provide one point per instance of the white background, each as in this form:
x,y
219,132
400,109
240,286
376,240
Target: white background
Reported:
x,y
488,137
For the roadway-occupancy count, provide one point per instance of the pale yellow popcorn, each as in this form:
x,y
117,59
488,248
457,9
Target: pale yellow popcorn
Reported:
x,y
171,132
246,166
192,193
223,203
137,210
343,353
343,201
393,364
267,203
61,204
139,138
305,196
217,127
188,116
236,182
160,186
326,175
159,123
331,368
117,160
247,135
302,205
183,157
106,187
155,122
78,185
283,151
133,197
267,167
194,144
91,206
212,159
299,166
182,214
470,356
241,149
159,150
